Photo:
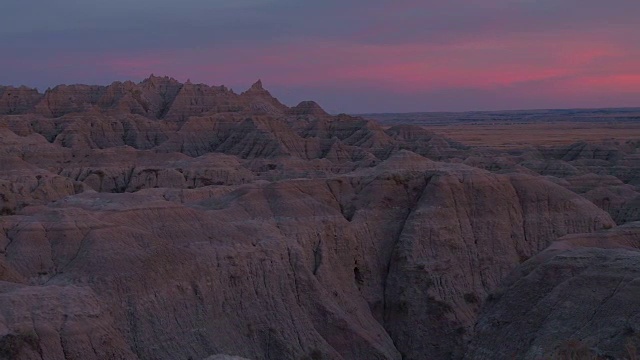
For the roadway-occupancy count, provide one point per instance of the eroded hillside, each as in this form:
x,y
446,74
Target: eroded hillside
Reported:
x,y
163,220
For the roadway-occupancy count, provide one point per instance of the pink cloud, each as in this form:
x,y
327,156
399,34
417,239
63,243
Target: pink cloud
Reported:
x,y
621,83
552,66
416,67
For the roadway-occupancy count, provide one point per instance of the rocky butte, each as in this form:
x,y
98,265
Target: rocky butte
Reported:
x,y
161,220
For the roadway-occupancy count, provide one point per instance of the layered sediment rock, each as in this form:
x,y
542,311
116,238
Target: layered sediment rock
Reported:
x,y
162,220
577,299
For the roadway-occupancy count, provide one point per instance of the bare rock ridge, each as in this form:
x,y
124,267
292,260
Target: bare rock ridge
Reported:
x,y
605,173
578,299
18,100
162,220
154,97
308,108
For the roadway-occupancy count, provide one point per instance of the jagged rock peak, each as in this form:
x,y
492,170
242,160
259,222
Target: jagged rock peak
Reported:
x,y
260,100
152,79
156,97
257,85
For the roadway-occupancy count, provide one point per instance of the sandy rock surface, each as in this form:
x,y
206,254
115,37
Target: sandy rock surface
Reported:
x,y
577,298
162,220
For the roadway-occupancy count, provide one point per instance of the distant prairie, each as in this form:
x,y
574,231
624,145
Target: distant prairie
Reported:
x,y
515,128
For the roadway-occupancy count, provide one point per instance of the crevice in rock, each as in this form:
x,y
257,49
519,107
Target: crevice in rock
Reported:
x,y
416,201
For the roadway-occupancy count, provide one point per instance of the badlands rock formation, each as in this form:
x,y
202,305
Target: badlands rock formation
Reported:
x,y
163,220
576,299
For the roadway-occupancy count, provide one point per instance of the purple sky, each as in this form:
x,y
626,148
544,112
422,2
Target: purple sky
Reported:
x,y
350,56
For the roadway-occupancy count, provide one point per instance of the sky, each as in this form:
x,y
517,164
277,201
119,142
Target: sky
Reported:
x,y
354,56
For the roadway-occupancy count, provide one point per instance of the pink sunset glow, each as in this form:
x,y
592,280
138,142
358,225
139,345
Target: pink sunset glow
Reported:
x,y
438,57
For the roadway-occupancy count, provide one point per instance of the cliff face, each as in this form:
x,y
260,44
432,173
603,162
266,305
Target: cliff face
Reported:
x,y
163,220
18,100
577,298
357,266
465,235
